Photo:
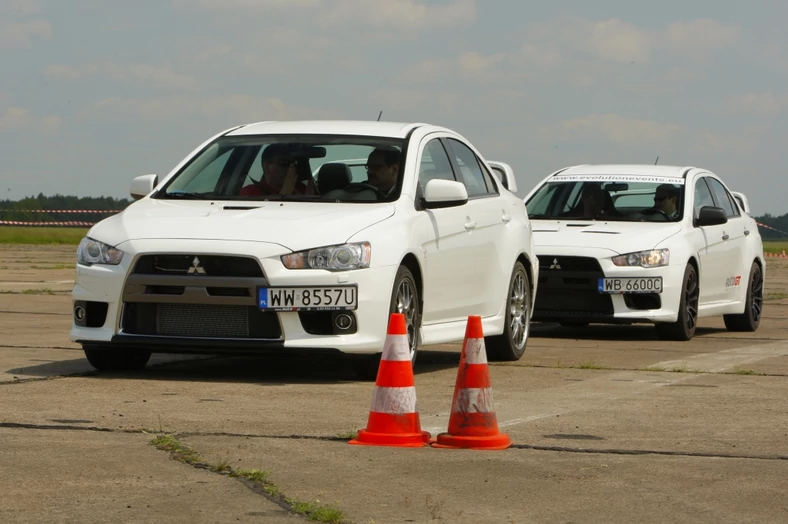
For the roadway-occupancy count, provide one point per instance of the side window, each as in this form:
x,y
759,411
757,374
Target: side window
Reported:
x,y
702,196
722,198
477,180
434,164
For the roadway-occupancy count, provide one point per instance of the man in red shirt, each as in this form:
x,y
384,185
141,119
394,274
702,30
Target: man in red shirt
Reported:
x,y
279,175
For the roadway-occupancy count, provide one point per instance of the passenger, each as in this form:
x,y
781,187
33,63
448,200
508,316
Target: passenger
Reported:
x,y
279,175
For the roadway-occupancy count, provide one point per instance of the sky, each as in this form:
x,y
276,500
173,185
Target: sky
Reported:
x,y
96,92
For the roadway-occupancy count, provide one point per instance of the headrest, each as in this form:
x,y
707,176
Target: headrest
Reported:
x,y
333,175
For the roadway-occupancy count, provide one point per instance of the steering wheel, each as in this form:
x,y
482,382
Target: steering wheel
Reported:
x,y
357,187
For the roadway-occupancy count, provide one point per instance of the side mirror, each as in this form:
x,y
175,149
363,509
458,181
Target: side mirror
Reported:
x,y
444,193
711,216
504,173
143,185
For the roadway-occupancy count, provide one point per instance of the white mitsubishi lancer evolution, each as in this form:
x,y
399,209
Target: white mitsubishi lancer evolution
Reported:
x,y
265,238
645,243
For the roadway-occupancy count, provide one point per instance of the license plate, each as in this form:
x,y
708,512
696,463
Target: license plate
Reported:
x,y
630,285
303,298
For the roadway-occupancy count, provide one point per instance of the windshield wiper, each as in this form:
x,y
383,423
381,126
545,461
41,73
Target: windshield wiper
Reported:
x,y
187,196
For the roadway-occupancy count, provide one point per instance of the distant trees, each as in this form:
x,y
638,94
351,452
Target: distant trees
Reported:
x,y
19,209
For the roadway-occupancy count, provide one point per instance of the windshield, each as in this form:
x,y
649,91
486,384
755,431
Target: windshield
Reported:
x,y
318,168
609,197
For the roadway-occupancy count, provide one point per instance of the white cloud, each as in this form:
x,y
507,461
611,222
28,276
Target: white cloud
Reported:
x,y
19,118
617,40
759,103
401,15
154,76
230,5
238,108
22,34
470,65
624,130
698,36
20,7
621,129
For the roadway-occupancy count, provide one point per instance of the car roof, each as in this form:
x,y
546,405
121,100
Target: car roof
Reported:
x,y
332,127
627,169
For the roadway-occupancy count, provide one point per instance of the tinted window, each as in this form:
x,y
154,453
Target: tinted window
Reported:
x,y
477,181
723,199
434,164
702,196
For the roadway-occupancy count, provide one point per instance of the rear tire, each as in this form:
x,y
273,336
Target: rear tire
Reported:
x,y
753,305
117,359
511,344
404,300
684,327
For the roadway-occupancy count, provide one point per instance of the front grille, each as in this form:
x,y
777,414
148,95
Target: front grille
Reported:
x,y
199,321
568,287
212,265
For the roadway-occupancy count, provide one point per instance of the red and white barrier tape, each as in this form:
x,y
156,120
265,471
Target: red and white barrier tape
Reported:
x,y
45,224
772,228
63,210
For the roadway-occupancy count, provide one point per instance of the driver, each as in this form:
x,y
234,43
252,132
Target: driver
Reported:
x,y
383,169
666,200
279,175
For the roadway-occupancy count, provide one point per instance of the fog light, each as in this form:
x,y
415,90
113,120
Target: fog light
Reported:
x,y
79,314
343,321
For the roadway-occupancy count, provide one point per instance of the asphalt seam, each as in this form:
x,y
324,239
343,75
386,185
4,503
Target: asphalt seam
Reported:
x,y
558,449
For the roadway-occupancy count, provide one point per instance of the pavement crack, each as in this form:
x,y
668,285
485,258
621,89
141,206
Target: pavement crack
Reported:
x,y
35,313
700,454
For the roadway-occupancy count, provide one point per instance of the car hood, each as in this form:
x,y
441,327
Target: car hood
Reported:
x,y
293,225
616,237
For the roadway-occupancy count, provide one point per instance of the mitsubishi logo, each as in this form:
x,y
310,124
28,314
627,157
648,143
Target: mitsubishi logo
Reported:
x,y
555,264
196,267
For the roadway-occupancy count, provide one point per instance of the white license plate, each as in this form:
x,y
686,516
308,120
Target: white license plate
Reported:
x,y
630,285
304,298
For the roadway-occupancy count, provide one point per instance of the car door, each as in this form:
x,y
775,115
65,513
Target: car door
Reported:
x,y
734,238
490,215
713,266
449,287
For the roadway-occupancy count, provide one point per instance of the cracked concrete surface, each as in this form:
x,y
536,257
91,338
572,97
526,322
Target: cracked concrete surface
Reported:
x,y
596,436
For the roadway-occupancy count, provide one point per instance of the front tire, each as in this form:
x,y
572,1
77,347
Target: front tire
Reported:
x,y
404,300
510,345
753,305
117,359
684,327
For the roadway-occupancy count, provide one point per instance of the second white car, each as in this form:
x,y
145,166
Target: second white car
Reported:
x,y
645,243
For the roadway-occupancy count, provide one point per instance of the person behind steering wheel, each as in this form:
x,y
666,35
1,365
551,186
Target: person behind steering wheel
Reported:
x,y
382,173
666,200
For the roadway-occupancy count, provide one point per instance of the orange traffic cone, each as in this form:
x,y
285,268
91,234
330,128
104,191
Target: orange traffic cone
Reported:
x,y
393,419
473,423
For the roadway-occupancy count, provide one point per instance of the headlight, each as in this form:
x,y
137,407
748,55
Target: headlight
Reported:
x,y
331,258
652,258
92,252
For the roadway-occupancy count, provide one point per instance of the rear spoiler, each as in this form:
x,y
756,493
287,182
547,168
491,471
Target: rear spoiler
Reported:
x,y
504,173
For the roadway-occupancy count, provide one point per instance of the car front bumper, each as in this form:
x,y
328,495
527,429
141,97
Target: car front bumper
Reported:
x,y
190,313
568,289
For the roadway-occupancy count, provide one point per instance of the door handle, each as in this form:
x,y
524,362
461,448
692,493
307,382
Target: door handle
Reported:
x,y
746,232
725,236
506,217
470,225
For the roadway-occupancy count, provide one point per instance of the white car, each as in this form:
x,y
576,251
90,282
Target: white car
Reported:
x,y
632,263
193,267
